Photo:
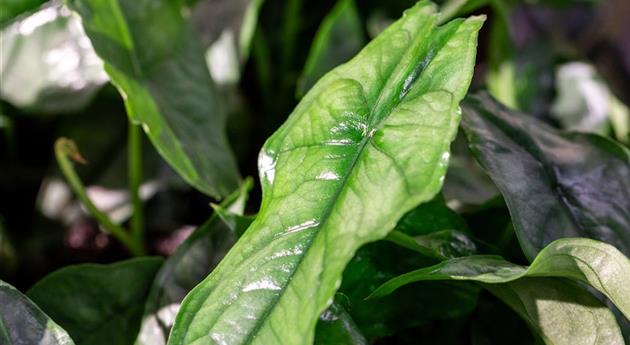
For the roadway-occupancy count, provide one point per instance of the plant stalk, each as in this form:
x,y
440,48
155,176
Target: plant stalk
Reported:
x,y
66,149
134,163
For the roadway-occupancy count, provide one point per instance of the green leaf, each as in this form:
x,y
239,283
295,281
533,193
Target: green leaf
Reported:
x,y
188,265
339,38
555,184
98,304
45,63
22,322
367,143
414,305
559,312
596,263
154,58
336,327
9,9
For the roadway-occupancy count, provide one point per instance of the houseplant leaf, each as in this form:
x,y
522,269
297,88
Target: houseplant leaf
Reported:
x,y
153,57
339,37
556,184
187,266
98,304
22,322
336,327
9,9
596,263
339,173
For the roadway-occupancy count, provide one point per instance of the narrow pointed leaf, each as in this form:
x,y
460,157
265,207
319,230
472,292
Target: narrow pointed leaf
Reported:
x,y
596,263
188,265
369,142
22,322
155,60
98,304
556,184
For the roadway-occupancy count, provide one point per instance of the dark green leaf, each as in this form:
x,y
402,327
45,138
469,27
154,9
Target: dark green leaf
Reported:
x,y
555,184
366,144
188,265
339,38
9,9
98,304
413,305
154,58
336,327
23,323
596,263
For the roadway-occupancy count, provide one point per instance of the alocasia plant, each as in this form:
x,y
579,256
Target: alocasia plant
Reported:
x,y
367,143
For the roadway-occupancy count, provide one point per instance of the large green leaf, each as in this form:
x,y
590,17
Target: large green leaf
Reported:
x,y
596,263
339,38
555,184
367,143
22,322
187,266
154,58
98,304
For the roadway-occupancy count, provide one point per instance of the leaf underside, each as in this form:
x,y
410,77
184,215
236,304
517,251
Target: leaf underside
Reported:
x,y
369,142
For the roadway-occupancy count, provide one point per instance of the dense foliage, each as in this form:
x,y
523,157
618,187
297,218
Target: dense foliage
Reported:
x,y
421,178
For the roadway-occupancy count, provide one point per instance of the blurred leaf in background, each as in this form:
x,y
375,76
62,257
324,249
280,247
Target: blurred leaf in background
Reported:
x,y
47,64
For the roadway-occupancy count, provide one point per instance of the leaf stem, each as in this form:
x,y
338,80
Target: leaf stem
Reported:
x,y
65,149
134,163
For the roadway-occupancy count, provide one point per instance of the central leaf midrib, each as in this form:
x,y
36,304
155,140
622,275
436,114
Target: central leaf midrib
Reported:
x,y
326,215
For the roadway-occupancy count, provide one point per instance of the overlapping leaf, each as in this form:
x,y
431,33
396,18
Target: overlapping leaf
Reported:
x,y
98,304
555,184
22,322
154,58
188,265
366,144
598,264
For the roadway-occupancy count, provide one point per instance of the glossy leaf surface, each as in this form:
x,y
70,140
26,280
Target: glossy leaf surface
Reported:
x,y
596,263
154,58
98,304
339,173
22,322
189,265
555,184
339,38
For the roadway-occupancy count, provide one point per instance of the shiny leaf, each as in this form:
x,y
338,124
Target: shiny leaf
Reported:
x,y
339,38
367,143
154,58
596,263
188,265
22,322
98,304
555,184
